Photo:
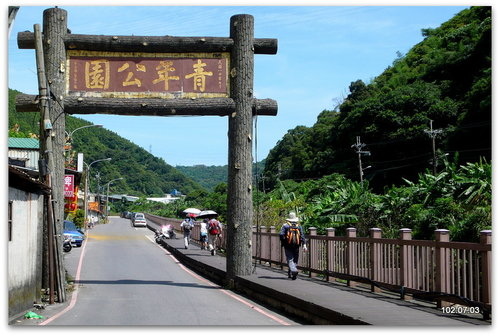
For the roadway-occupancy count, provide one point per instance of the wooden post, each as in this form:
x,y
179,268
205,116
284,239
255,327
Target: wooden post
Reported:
x,y
405,263
313,255
239,200
485,239
272,245
352,257
263,243
54,29
442,266
331,259
375,258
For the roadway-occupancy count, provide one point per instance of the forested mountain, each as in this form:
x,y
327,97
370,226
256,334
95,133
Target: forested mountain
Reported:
x,y
143,173
211,176
446,78
207,176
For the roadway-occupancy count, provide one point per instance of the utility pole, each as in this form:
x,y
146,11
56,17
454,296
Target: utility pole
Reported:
x,y
358,148
433,133
46,152
55,29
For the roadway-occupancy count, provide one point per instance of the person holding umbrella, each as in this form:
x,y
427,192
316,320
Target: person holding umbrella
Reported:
x,y
214,228
214,231
187,224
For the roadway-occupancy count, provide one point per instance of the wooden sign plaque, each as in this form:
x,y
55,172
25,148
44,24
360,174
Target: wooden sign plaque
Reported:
x,y
147,75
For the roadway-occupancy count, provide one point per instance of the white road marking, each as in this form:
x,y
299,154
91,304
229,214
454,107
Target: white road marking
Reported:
x,y
225,291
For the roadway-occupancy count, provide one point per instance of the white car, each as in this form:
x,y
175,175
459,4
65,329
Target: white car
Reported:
x,y
139,219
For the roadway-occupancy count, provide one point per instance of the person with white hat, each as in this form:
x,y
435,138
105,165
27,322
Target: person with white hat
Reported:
x,y
292,237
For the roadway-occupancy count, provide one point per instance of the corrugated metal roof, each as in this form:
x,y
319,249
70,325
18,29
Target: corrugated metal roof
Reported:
x,y
27,143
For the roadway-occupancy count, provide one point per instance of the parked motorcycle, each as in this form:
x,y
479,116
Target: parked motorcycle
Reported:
x,y
158,236
166,231
67,243
169,232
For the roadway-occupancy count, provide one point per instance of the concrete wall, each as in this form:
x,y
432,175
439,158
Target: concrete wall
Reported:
x,y
24,260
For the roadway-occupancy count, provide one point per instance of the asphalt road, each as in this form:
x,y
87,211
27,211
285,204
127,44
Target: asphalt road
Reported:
x,y
126,278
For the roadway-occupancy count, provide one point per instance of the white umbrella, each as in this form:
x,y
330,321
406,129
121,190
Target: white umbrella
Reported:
x,y
193,211
207,213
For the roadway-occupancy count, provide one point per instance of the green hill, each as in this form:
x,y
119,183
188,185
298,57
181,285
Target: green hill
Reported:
x,y
446,78
143,173
207,176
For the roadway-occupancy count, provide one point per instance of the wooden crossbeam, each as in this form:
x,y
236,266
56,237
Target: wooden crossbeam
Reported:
x,y
149,106
163,44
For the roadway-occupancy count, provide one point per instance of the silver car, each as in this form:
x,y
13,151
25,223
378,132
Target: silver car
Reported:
x,y
139,219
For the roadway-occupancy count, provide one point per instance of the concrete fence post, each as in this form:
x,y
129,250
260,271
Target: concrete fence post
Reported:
x,y
443,270
264,243
405,262
351,255
272,244
485,239
375,258
330,259
330,232
314,252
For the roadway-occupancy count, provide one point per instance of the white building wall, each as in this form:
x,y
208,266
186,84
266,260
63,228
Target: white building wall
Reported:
x,y
31,156
24,261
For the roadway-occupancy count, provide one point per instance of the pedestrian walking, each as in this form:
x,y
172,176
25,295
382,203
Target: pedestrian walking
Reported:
x,y
204,234
214,228
292,237
186,225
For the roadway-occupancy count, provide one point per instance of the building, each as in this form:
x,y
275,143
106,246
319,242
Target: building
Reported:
x,y
28,243
24,152
25,240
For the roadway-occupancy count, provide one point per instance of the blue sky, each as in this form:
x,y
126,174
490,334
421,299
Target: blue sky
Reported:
x,y
321,50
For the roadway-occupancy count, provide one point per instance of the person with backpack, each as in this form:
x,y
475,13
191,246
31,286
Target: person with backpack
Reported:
x,y
292,237
214,228
204,234
186,225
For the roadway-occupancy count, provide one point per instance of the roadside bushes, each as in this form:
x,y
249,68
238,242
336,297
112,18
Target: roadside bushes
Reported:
x,y
457,199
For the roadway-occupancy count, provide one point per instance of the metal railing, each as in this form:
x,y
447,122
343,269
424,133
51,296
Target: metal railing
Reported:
x,y
439,270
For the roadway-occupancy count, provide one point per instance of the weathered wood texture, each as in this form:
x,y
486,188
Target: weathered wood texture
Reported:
x,y
150,106
54,29
164,44
239,200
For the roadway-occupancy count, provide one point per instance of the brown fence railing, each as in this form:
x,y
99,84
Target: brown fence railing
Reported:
x,y
439,270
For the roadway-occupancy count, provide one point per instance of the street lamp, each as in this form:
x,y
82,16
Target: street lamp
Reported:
x,y
70,134
87,187
107,195
68,141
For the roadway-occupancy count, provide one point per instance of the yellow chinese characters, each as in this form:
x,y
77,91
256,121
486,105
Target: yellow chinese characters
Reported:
x,y
130,80
97,74
199,75
181,76
162,70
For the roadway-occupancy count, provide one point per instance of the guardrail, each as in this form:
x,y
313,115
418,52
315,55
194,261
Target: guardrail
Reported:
x,y
441,271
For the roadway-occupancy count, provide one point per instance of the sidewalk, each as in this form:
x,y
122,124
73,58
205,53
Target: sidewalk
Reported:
x,y
316,301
